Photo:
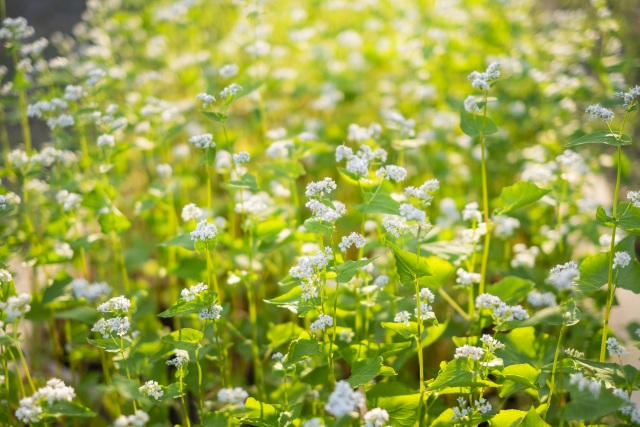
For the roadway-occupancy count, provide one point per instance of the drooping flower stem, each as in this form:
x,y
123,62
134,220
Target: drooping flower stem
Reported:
x,y
485,201
419,329
610,284
22,359
552,388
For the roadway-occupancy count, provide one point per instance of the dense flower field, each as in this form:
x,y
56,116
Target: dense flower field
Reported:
x,y
340,213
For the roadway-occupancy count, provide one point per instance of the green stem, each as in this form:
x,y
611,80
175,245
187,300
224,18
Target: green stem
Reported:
x,y
185,409
332,376
209,180
453,303
563,195
200,381
117,247
126,367
22,359
485,201
20,383
257,365
24,119
610,284
419,334
552,388
220,355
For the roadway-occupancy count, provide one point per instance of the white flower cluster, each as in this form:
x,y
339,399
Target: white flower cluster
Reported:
x,y
467,278
353,239
614,348
63,250
5,276
254,205
358,164
206,99
358,133
584,383
501,310
152,388
504,226
395,120
481,80
628,97
55,390
321,188
343,400
180,357
279,149
598,112
15,29
228,70
395,227
204,231
106,140
313,422
69,201
563,276
541,299
90,291
16,306
194,291
203,141
470,104
376,418
426,298
572,352
469,352
117,304
321,323
381,281
411,213
462,411
116,325
73,93
40,107
324,212
210,313
471,212
308,268
346,335
630,408
392,172
490,344
191,211
621,259
233,396
634,196
62,121
402,317
230,91
422,193
139,419
164,170
241,157
523,256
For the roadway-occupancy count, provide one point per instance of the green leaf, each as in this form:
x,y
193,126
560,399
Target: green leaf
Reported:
x,y
283,333
459,373
69,409
208,157
216,117
409,266
82,314
523,346
184,339
364,370
511,289
518,195
522,373
601,137
111,345
305,346
182,240
113,221
247,181
315,225
515,418
317,376
381,204
400,402
594,270
366,349
442,271
586,406
471,124
349,268
127,388
260,414
628,217
185,307
290,170
57,291
293,301
207,246
404,330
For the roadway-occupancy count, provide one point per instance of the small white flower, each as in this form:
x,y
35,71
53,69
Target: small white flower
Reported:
x,y
634,196
470,104
354,239
614,347
180,358
206,99
376,418
402,317
410,212
5,276
346,335
343,400
583,383
191,211
538,299
204,231
469,352
598,112
241,157
563,276
321,188
392,172
203,141
116,304
152,388
106,140
467,278
491,343
621,259
233,396
164,170
321,323
211,313
471,212
228,70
